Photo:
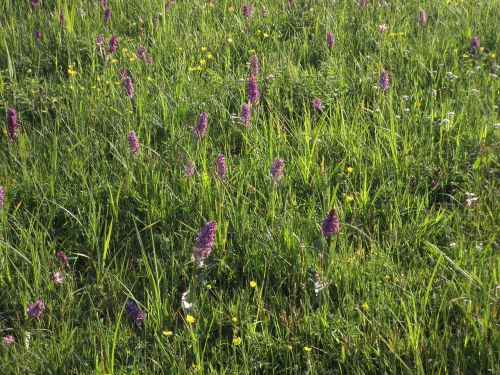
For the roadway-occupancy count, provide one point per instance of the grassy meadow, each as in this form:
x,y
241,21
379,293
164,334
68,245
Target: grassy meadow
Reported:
x,y
378,114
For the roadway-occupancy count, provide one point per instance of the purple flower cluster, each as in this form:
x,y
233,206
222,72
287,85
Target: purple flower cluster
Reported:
x,y
9,340
62,17
133,143
202,126
254,65
330,225
246,114
204,242
113,44
122,73
189,169
474,43
221,166
247,10
263,11
99,40
38,35
142,54
330,39
277,169
253,94
133,311
362,3
34,3
13,126
2,197
422,16
384,81
107,14
63,258
129,87
36,309
317,105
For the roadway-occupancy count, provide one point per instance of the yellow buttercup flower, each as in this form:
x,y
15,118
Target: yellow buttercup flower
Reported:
x,y
203,62
28,71
365,306
253,284
209,286
229,40
237,341
289,348
307,349
234,319
167,333
350,198
350,169
190,319
209,55
203,49
265,35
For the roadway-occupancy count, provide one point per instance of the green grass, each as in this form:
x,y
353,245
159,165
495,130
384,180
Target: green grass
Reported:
x,y
397,297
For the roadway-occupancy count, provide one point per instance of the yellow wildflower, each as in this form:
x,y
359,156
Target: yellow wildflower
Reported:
x,y
289,348
265,35
28,71
230,9
307,349
132,58
237,341
114,61
124,51
253,284
234,319
167,333
350,198
203,49
350,169
365,306
229,40
203,62
190,319
209,286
